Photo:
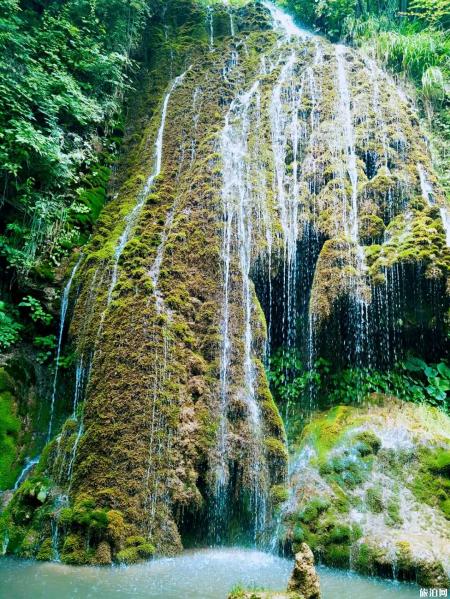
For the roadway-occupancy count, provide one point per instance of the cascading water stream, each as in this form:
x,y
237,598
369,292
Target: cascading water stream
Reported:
x,y
425,186
344,110
83,371
232,27
237,201
62,322
132,218
286,136
73,454
427,194
210,17
284,23
82,374
345,119
445,215
29,464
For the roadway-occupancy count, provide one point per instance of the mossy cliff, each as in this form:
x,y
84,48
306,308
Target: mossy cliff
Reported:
x,y
138,456
370,490
232,167
23,416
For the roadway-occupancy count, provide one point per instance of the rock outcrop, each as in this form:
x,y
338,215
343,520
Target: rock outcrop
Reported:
x,y
303,584
304,579
371,488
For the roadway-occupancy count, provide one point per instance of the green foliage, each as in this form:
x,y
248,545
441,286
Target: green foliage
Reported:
x,y
393,517
63,67
287,377
374,499
415,52
436,375
37,312
431,482
412,380
46,345
433,12
9,327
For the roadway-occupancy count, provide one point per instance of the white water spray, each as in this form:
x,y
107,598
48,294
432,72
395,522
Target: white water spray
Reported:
x,y
62,322
29,464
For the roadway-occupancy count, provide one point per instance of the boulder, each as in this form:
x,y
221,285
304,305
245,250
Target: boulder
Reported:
x,y
304,579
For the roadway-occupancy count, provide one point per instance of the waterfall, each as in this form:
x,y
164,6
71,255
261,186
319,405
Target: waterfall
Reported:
x,y
258,245
132,218
427,194
285,101
284,23
425,185
5,542
62,322
344,112
232,27
380,121
55,541
345,119
73,454
195,104
210,13
80,374
29,464
445,215
237,202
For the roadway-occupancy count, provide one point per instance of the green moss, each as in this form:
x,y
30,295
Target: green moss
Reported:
x,y
136,549
371,228
85,514
325,431
374,499
276,449
279,494
45,552
367,443
340,534
313,509
345,471
439,462
6,382
116,527
431,483
29,544
365,558
74,550
393,512
298,533
9,433
445,507
337,555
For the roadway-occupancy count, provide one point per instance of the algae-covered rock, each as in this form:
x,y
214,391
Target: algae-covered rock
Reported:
x,y
370,490
304,579
303,583
103,554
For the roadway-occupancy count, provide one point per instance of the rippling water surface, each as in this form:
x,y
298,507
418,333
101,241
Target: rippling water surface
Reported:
x,y
200,574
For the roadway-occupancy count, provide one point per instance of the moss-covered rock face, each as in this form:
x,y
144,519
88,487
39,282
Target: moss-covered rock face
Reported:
x,y
23,416
370,490
263,147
